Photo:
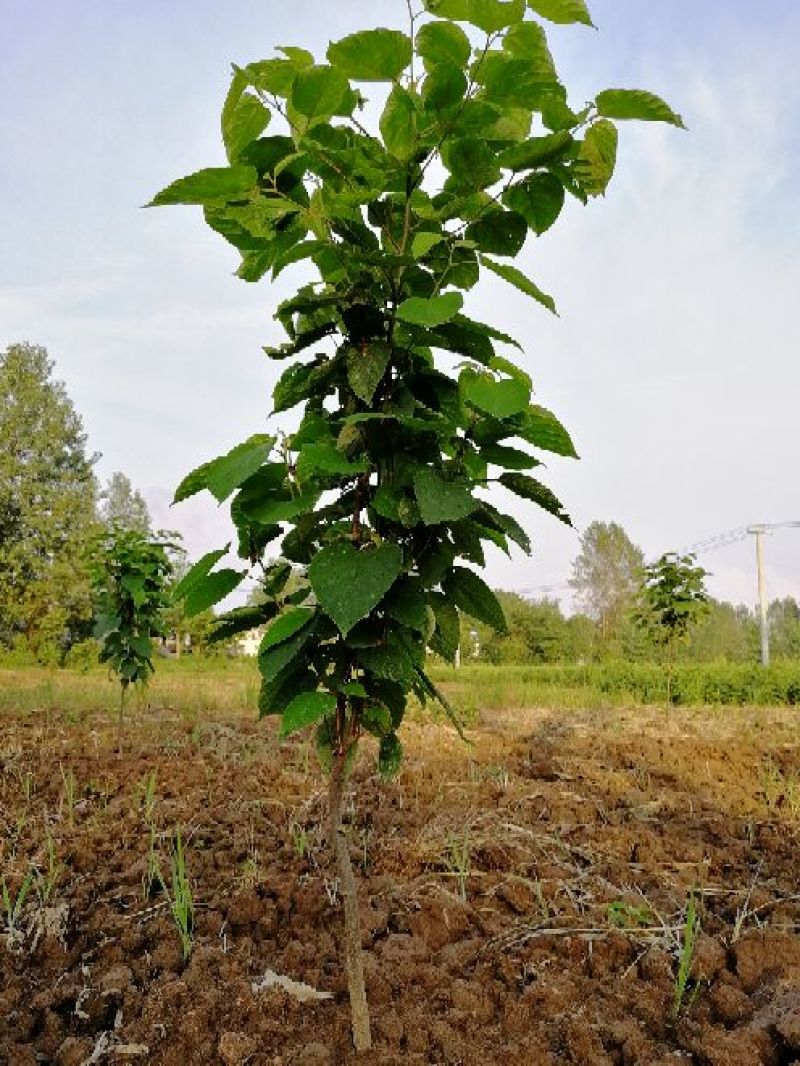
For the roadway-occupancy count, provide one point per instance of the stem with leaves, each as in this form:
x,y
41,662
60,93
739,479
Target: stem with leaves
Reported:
x,y
379,516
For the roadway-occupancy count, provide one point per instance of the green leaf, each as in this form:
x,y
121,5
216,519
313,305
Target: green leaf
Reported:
x,y
244,117
442,42
507,457
433,311
597,157
637,104
439,500
324,458
227,473
377,719
444,87
447,634
390,756
306,709
274,76
275,695
398,123
193,483
516,278
349,582
210,590
500,399
429,689
354,688
538,199
500,232
214,185
134,586
142,646
294,385
474,597
535,151
562,11
285,626
366,366
511,527
197,573
542,428
240,620
371,55
318,91
488,15
531,489
527,40
390,662
271,510
272,661
406,603
423,242
509,81
471,162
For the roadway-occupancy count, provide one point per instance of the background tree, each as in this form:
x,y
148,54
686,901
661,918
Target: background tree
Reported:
x,y
605,576
380,485
537,632
724,633
783,617
671,599
47,506
122,505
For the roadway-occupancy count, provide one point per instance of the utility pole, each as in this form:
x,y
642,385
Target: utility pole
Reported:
x,y
758,532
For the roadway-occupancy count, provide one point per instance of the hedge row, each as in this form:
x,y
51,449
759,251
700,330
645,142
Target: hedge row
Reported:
x,y
692,683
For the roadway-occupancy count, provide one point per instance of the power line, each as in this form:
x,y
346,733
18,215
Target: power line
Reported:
x,y
701,547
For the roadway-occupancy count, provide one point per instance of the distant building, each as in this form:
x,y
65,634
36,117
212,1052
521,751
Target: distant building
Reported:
x,y
249,642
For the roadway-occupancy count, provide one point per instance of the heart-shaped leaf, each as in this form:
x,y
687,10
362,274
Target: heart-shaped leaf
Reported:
x,y
348,582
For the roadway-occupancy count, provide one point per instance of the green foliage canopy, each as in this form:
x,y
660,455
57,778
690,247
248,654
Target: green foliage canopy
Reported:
x,y
671,600
378,498
123,505
605,575
129,572
47,506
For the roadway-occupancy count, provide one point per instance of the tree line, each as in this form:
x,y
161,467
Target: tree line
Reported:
x,y
54,515
608,581
52,508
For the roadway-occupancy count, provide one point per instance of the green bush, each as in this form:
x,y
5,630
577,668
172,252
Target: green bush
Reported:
x,y
733,684
693,684
83,656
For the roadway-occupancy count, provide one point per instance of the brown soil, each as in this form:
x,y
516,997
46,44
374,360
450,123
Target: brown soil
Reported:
x,y
575,840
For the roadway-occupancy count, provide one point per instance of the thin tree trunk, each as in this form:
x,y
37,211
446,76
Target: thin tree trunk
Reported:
x,y
670,667
120,714
353,960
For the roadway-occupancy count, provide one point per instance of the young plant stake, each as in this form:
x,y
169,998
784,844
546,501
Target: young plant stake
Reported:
x,y
408,410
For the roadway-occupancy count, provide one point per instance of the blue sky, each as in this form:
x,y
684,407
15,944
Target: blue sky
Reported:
x,y
675,359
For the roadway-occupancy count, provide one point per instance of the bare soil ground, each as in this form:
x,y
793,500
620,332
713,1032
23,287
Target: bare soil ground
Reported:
x,y
524,901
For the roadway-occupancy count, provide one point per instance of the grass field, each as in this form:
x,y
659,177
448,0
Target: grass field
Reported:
x,y
589,881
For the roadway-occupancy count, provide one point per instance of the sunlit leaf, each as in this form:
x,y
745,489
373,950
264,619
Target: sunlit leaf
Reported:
x,y
371,55
636,104
516,278
562,11
210,186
